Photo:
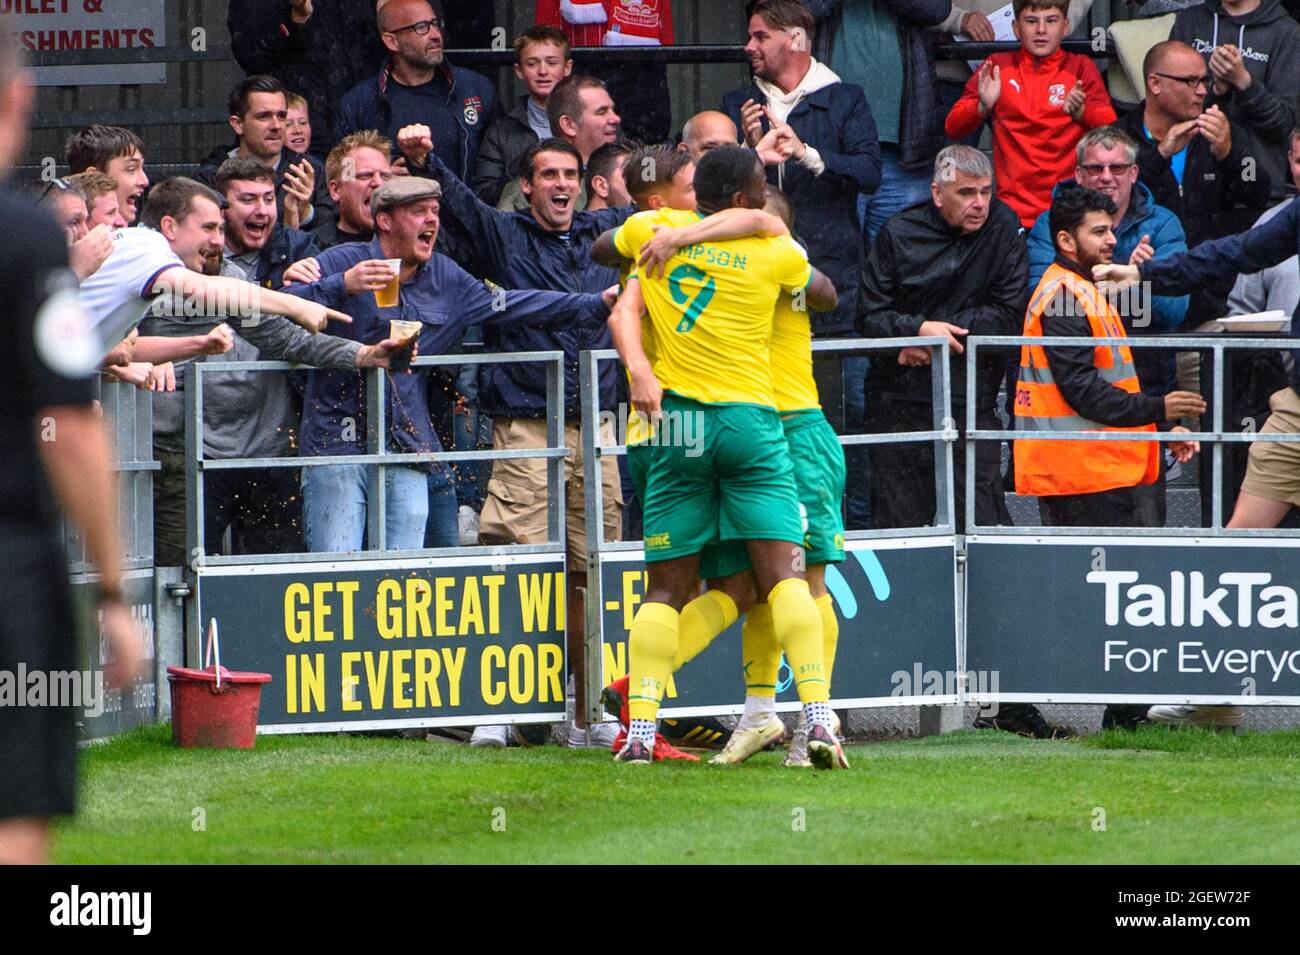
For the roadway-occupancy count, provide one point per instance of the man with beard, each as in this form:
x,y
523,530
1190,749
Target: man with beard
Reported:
x,y
417,85
546,247
1085,388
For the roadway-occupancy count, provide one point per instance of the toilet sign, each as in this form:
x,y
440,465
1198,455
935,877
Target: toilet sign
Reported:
x,y
72,26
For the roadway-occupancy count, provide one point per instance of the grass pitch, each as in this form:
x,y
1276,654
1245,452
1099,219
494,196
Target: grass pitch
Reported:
x,y
1154,795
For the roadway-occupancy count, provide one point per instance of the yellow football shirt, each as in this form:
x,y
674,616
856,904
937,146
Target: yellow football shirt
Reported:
x,y
639,429
792,364
711,312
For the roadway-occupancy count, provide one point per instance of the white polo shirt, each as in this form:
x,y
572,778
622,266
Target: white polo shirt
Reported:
x,y
139,256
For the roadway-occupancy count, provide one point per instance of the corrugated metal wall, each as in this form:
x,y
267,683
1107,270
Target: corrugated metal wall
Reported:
x,y
204,85
189,85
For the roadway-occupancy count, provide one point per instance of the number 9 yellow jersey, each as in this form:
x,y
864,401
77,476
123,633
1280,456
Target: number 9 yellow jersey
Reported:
x,y
711,310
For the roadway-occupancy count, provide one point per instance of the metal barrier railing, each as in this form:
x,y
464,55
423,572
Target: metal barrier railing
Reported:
x,y
1217,346
942,434
196,464
128,412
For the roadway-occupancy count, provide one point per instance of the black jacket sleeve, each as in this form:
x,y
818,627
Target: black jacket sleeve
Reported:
x,y
262,34
490,174
1079,381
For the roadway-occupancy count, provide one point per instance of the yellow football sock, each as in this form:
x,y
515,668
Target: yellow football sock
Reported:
x,y
651,647
830,635
760,651
798,626
701,621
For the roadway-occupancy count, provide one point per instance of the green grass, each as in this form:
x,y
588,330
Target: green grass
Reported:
x,y
1168,796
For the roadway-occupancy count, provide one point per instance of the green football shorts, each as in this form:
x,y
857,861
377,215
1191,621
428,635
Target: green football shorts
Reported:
x,y
818,459
717,472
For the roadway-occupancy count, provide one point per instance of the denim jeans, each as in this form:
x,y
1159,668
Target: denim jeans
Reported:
x,y
334,507
443,527
898,190
471,431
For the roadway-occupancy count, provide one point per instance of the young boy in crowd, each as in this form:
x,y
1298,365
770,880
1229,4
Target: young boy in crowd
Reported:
x,y
116,152
541,61
297,128
1040,100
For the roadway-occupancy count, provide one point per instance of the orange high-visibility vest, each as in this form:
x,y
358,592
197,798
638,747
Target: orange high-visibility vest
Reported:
x,y
1075,467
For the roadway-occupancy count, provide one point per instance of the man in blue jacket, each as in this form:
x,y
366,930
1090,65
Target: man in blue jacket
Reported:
x,y
445,300
546,247
417,85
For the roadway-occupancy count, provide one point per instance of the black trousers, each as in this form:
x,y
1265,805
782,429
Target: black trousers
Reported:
x,y
1121,507
263,509
902,475
38,633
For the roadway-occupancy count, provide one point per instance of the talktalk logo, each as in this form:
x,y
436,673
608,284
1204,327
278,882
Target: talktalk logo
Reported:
x,y
1237,598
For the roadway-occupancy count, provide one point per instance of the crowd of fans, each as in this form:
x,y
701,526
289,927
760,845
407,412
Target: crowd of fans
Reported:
x,y
356,142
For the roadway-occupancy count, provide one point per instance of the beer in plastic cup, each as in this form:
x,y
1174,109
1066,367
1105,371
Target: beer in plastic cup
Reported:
x,y
389,295
405,332
402,330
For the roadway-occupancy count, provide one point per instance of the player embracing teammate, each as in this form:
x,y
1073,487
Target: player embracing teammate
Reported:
x,y
732,511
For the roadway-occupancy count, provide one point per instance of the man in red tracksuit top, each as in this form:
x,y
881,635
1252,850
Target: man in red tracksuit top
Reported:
x,y
1041,101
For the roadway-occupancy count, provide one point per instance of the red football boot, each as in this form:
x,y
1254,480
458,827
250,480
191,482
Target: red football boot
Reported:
x,y
614,699
663,751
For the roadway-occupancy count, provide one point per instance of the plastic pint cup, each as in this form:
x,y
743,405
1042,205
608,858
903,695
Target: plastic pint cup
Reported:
x,y
389,295
402,330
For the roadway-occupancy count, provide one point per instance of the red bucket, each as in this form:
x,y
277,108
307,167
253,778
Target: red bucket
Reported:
x,y
215,707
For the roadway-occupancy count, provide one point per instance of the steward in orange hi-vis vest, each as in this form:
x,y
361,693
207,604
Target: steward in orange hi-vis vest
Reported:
x,y
1049,468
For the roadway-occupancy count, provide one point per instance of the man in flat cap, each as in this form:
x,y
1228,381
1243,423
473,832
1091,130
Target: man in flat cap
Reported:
x,y
440,300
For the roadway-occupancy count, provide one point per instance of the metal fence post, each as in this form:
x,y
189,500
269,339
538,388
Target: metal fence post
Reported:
x,y
555,438
1216,425
194,511
944,718
594,508
194,516
376,443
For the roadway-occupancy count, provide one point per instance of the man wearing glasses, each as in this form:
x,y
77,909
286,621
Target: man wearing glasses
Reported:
x,y
1251,51
1190,159
417,86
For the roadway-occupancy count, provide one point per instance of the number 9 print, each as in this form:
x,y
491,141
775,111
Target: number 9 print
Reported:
x,y
681,296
